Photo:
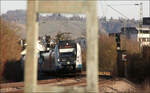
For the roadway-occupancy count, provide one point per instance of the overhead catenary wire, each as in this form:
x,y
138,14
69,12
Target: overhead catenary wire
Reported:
x,y
119,5
118,11
121,15
136,4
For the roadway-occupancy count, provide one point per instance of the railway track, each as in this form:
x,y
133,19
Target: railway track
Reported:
x,y
68,80
71,81
18,86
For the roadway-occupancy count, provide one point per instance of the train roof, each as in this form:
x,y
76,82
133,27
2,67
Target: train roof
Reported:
x,y
67,42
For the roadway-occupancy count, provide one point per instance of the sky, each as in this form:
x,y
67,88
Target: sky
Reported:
x,y
126,8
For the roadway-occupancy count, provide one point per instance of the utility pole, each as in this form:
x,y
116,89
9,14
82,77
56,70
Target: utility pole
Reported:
x,y
124,60
140,20
141,15
149,8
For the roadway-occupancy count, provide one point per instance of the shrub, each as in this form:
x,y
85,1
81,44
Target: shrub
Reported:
x,y
139,64
131,46
13,71
107,53
9,46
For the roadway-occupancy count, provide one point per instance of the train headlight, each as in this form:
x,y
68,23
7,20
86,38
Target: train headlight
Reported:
x,y
58,60
68,62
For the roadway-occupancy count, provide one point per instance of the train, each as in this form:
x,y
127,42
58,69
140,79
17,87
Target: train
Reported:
x,y
65,57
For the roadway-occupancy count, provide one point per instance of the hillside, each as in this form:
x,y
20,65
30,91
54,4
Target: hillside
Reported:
x,y
53,24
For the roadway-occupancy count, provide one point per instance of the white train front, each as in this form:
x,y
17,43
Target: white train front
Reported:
x,y
66,57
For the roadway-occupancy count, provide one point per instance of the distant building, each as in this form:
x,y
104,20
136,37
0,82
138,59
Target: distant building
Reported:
x,y
142,35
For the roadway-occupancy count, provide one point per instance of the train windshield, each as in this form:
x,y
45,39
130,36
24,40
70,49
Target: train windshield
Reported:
x,y
69,52
67,49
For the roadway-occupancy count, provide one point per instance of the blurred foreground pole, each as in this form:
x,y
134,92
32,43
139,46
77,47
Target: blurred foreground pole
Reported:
x,y
32,38
92,48
126,69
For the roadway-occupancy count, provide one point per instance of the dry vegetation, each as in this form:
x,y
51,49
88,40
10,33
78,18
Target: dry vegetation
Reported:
x,y
132,46
9,46
138,61
139,64
107,54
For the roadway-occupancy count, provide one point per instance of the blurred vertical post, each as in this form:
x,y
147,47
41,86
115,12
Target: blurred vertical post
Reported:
x,y
125,69
124,60
92,45
32,38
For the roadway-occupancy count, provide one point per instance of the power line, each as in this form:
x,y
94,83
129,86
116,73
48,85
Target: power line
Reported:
x,y
123,4
118,11
124,21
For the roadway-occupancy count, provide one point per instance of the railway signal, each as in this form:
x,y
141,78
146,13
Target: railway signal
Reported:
x,y
124,57
117,35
